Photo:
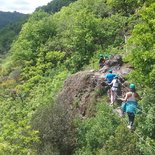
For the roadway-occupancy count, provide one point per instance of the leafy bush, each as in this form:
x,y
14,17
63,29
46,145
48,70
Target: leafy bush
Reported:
x,y
94,132
56,130
146,125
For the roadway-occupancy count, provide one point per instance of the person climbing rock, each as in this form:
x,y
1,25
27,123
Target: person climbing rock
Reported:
x,y
109,77
101,61
131,104
114,89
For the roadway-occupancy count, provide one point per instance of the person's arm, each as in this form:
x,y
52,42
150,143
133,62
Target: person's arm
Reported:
x,y
110,84
104,77
125,98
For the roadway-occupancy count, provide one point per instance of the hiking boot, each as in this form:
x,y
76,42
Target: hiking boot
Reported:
x,y
129,127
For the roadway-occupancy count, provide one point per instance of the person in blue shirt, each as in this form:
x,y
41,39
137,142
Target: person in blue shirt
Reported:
x,y
110,76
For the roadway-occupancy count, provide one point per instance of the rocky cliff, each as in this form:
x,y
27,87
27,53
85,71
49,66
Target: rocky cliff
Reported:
x,y
81,90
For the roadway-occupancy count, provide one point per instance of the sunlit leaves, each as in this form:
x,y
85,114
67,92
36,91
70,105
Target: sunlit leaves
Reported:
x,y
142,41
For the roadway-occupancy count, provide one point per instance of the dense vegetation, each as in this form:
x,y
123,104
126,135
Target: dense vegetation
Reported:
x,y
10,26
8,34
51,47
10,17
11,23
55,5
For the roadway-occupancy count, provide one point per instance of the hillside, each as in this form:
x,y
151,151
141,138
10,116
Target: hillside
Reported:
x,y
10,26
11,23
55,5
53,99
10,17
8,34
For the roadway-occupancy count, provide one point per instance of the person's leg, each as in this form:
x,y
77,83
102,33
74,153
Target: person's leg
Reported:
x,y
112,97
115,94
109,92
131,117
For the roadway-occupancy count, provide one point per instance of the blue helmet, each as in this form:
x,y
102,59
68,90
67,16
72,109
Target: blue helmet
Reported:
x,y
132,86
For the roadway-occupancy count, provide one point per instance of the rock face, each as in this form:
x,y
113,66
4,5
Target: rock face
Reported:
x,y
81,90
78,91
114,61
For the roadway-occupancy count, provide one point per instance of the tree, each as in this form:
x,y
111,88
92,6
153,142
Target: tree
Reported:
x,y
55,5
142,47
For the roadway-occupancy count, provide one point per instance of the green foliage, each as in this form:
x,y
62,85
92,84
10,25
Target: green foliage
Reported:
x,y
94,132
119,143
55,125
17,136
74,31
34,34
101,9
50,45
8,34
142,47
146,123
111,31
7,18
48,60
55,5
125,7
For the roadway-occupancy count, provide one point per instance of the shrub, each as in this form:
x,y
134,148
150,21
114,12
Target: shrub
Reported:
x,y
57,132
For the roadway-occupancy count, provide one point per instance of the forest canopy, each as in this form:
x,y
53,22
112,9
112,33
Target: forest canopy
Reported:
x,y
10,17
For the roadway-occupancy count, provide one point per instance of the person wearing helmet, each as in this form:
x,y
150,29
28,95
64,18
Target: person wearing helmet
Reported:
x,y
101,61
130,106
109,77
115,84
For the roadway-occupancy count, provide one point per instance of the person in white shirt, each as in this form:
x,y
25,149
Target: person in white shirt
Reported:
x,y
115,84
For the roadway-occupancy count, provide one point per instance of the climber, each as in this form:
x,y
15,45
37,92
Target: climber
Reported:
x,y
130,105
114,89
109,77
101,61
